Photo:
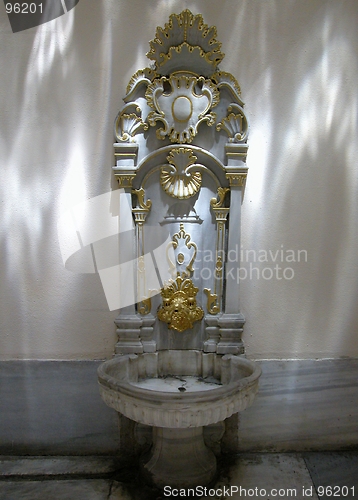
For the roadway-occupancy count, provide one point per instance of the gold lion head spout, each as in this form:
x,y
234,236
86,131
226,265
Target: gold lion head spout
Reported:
x,y
179,309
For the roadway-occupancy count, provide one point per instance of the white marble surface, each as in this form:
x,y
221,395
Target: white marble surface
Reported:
x,y
303,405
54,408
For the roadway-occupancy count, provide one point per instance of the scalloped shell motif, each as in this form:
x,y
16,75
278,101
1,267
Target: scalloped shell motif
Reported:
x,y
181,179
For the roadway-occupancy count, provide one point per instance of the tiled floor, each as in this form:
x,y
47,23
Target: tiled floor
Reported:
x,y
259,476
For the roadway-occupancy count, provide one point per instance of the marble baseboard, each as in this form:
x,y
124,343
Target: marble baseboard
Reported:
x,y
303,405
54,408
90,489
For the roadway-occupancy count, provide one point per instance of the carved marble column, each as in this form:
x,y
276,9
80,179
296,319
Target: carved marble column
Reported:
x,y
232,321
144,303
128,322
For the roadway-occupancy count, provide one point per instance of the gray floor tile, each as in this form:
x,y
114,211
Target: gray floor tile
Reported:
x,y
259,476
270,476
135,490
90,489
120,492
338,470
50,466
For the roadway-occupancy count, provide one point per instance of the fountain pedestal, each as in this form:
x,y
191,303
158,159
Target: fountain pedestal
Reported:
x,y
179,458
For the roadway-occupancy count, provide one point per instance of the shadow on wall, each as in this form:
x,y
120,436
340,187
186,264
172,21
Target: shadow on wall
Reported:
x,y
302,184
64,85
54,154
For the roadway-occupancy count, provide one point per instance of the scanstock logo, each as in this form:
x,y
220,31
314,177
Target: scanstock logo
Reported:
x,y
28,14
98,235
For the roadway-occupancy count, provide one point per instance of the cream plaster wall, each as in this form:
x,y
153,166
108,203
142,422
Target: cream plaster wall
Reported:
x,y
61,87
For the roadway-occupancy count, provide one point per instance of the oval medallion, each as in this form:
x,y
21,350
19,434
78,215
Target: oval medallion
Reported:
x,y
182,109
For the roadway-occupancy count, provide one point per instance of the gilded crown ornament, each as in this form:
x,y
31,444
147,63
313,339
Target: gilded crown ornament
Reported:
x,y
182,89
188,36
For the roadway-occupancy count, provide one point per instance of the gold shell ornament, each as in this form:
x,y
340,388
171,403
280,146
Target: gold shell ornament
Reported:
x,y
181,178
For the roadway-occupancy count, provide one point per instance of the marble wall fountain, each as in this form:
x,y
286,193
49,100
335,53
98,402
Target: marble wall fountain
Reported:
x,y
179,372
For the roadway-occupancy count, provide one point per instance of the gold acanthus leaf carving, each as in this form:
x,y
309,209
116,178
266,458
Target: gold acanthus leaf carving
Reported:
x,y
179,308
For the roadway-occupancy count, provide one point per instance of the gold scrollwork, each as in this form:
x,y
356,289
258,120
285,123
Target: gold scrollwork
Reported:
x,y
144,306
221,195
141,76
219,268
181,234
179,309
140,212
140,193
184,108
223,78
212,301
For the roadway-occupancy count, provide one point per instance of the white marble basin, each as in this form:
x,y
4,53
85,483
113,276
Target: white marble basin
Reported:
x,y
178,389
